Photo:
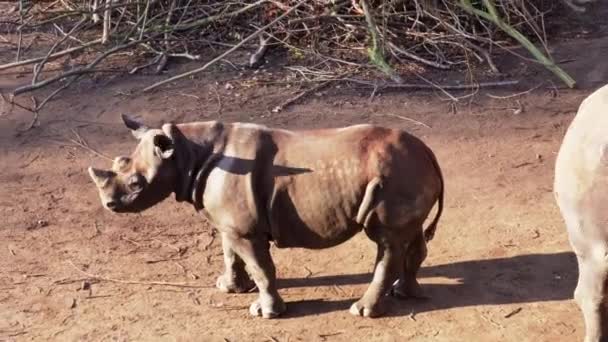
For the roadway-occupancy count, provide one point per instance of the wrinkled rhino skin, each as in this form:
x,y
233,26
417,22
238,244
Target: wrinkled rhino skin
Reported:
x,y
581,192
311,189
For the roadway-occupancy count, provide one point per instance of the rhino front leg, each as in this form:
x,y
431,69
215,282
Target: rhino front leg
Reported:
x,y
255,253
235,279
590,295
388,262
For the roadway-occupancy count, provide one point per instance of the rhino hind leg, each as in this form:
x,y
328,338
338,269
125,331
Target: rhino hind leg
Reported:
x,y
389,261
590,295
407,286
255,252
235,278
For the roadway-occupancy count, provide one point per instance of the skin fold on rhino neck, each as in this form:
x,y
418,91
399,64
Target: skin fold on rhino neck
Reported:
x,y
196,157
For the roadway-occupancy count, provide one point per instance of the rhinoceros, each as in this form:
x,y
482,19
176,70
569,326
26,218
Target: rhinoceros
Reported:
x,y
581,192
309,188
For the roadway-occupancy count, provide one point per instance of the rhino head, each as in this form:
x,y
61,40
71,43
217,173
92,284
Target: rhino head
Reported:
x,y
144,178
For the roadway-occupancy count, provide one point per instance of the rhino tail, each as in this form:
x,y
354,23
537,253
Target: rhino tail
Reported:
x,y
429,232
368,201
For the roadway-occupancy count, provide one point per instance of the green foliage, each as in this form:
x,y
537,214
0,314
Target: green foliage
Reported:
x,y
491,15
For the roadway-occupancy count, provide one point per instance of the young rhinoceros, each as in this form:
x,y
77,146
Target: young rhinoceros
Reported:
x,y
311,189
581,191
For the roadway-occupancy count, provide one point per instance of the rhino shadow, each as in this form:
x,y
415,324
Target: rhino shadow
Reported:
x,y
241,166
519,279
283,203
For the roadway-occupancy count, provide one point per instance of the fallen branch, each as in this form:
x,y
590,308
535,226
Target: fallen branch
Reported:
x,y
20,30
14,103
136,282
154,61
514,312
257,58
438,87
34,119
306,92
408,119
382,85
417,58
514,95
50,57
75,72
55,92
105,36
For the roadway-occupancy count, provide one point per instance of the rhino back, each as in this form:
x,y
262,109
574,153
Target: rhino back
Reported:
x,y
318,208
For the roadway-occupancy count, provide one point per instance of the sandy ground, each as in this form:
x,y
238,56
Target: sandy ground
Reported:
x,y
499,268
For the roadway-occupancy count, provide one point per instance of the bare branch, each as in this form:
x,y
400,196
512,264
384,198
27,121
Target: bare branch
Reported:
x,y
50,57
229,51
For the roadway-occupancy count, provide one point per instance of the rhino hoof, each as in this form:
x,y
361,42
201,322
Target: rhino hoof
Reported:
x,y
412,290
363,310
272,310
227,285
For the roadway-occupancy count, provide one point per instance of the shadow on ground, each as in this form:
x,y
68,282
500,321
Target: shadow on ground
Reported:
x,y
520,279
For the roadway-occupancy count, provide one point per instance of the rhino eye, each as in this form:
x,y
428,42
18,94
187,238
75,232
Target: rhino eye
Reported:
x,y
136,182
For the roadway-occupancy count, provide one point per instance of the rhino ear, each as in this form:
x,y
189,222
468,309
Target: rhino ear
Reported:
x,y
163,146
137,128
100,177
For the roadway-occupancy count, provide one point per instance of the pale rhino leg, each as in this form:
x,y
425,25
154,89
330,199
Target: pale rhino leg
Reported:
x,y
590,295
235,279
590,292
408,285
258,261
388,262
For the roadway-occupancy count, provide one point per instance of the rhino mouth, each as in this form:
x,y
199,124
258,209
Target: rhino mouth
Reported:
x,y
138,201
124,203
130,198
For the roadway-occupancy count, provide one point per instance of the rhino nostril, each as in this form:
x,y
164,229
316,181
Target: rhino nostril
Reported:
x,y
111,204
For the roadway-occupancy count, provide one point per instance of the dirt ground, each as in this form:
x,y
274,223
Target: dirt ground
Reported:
x,y
499,268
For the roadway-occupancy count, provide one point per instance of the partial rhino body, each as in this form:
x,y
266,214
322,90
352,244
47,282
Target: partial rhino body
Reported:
x,y
581,191
312,189
578,5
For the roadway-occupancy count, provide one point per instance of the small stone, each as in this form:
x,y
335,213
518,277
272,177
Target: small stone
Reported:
x,y
86,285
71,303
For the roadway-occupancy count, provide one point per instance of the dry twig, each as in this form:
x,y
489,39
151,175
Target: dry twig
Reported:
x,y
136,282
408,119
83,144
306,92
514,95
